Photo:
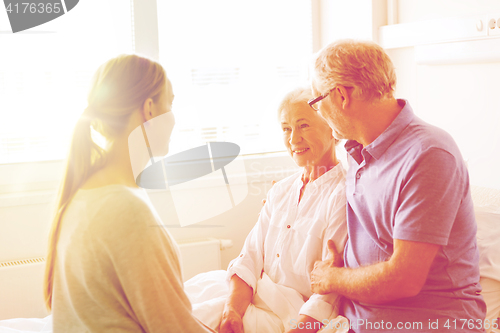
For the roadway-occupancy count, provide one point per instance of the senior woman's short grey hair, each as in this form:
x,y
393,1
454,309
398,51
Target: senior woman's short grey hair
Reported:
x,y
296,96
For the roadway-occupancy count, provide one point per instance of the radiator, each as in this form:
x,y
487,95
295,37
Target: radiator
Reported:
x,y
201,255
21,293
21,281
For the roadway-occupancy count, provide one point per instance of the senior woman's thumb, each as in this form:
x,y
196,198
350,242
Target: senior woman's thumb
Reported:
x,y
332,251
333,255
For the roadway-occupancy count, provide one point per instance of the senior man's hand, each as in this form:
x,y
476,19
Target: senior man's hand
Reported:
x,y
323,270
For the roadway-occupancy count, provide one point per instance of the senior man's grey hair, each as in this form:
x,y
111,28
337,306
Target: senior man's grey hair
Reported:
x,y
353,63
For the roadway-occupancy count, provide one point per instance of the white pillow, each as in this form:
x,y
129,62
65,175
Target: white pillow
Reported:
x,y
488,240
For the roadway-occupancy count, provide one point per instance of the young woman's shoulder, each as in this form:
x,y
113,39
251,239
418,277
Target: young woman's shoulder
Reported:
x,y
117,207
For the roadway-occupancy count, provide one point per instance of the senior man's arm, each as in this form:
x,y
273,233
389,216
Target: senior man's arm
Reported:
x,y
403,275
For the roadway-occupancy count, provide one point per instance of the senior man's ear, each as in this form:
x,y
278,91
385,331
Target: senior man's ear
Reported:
x,y
344,95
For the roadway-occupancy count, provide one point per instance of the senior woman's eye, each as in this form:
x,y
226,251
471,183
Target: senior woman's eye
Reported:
x,y
286,129
304,125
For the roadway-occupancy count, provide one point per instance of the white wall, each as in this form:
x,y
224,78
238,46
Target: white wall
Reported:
x,y
461,98
25,214
419,10
358,19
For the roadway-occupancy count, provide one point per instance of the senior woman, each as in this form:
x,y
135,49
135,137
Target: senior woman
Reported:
x,y
301,214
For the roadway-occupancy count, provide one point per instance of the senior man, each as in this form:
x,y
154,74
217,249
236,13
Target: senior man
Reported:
x,y
411,260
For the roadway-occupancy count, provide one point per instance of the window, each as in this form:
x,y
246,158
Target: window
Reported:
x,y
45,73
230,62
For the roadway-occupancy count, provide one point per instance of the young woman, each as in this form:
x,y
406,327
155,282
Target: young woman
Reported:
x,y
109,267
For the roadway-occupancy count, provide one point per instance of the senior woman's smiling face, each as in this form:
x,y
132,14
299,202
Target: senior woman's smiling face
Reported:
x,y
306,135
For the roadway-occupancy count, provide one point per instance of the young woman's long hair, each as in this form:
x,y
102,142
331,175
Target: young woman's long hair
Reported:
x,y
119,88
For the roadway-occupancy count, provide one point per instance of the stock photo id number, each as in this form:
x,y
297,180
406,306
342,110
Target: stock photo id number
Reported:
x,y
24,15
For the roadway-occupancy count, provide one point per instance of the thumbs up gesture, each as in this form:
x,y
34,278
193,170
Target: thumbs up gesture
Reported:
x,y
323,270
335,257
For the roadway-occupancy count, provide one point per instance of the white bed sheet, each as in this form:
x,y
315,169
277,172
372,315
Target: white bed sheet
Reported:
x,y
18,325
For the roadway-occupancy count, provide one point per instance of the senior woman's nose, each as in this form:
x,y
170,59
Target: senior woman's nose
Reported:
x,y
295,137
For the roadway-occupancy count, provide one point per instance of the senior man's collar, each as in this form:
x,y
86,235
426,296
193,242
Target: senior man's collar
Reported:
x,y
379,146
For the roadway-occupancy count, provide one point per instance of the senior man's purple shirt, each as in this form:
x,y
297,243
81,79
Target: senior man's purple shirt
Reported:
x,y
412,184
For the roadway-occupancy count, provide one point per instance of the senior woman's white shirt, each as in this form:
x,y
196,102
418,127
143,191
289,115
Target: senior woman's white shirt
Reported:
x,y
290,236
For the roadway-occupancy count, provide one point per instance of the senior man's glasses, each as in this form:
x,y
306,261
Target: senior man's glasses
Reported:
x,y
314,103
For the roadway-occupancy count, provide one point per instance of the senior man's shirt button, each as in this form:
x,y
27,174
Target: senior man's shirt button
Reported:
x,y
278,255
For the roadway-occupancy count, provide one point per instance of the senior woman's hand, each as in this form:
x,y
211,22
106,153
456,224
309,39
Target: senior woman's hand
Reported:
x,y
231,321
240,296
323,270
